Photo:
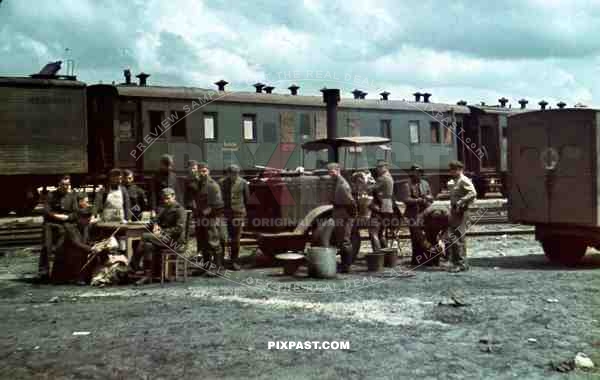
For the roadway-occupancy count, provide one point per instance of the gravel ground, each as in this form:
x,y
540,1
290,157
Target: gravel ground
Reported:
x,y
522,313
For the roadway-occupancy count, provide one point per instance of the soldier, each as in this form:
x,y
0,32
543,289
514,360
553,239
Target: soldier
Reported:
x,y
382,206
416,195
344,212
60,207
112,202
166,177
192,182
235,196
137,196
167,233
462,194
207,208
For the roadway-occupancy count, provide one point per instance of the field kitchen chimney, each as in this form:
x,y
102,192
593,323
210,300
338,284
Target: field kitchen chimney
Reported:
x,y
523,103
384,95
293,89
561,105
543,104
503,101
426,97
356,93
259,86
221,84
417,96
127,74
142,77
269,89
331,97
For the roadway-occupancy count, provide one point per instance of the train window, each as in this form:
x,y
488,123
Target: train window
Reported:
x,y
448,134
210,126
249,127
156,118
126,130
413,127
386,128
305,125
178,127
435,132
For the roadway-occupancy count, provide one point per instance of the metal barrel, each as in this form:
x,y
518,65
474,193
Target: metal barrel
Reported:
x,y
322,262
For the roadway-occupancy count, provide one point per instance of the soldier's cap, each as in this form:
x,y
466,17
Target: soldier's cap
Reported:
x,y
333,166
115,172
381,163
167,191
233,168
127,172
456,165
202,165
192,163
85,212
416,168
166,158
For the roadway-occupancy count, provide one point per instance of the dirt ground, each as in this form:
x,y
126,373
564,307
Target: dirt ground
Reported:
x,y
522,313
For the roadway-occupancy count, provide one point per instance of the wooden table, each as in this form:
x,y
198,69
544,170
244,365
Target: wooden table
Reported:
x,y
132,231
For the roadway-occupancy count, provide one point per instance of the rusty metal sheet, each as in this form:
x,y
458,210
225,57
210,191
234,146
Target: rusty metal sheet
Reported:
x,y
288,127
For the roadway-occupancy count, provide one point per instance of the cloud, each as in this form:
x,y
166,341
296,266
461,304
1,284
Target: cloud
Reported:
x,y
455,50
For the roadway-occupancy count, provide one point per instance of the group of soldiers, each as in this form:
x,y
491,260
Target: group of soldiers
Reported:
x,y
218,210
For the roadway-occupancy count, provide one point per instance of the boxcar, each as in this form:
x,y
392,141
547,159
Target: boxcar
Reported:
x,y
554,180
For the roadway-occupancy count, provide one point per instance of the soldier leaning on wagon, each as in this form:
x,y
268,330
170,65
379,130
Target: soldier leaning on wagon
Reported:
x,y
462,194
165,178
416,195
168,232
235,198
60,208
111,203
207,208
137,196
344,213
383,205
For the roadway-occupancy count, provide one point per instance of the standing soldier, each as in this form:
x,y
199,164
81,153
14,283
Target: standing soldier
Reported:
x,y
166,177
344,212
462,194
383,205
60,207
235,196
207,207
192,183
416,195
137,196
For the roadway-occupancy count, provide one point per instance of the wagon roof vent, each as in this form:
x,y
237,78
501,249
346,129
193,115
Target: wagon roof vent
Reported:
x,y
384,95
221,84
426,97
294,89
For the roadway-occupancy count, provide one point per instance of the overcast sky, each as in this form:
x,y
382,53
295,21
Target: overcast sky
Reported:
x,y
471,50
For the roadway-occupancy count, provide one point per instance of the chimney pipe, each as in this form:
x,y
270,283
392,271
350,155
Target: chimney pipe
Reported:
x,y
523,103
502,102
483,104
221,84
426,97
384,95
331,97
127,74
363,94
461,103
294,89
543,104
259,86
269,89
561,105
142,77
356,93
417,96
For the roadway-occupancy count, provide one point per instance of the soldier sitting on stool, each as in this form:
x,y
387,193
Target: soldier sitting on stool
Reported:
x,y
167,233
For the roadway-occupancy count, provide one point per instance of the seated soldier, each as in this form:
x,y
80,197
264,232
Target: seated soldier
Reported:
x,y
168,231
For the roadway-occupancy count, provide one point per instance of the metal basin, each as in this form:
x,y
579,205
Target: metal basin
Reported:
x,y
322,262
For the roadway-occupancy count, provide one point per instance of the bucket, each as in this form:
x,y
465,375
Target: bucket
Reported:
x,y
291,262
322,262
375,262
390,258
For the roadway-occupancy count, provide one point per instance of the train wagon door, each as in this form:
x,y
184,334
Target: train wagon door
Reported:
x,y
570,185
528,200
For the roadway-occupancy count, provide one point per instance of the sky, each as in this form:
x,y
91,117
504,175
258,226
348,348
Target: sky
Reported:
x,y
456,50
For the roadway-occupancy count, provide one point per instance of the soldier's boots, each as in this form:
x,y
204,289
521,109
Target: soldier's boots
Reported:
x,y
346,254
234,260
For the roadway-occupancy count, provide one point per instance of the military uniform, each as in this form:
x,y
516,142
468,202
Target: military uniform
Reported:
x,y
137,201
163,180
207,207
344,212
58,202
462,194
235,197
417,197
74,254
383,209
